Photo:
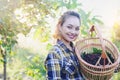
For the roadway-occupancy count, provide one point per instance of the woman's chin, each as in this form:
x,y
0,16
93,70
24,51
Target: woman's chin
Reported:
x,y
72,40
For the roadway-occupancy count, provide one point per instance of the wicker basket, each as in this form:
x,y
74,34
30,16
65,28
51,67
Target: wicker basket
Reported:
x,y
96,72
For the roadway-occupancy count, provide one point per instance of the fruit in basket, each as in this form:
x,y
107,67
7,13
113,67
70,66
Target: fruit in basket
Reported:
x,y
93,57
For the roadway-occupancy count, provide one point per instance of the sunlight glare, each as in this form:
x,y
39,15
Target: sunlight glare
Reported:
x,y
20,15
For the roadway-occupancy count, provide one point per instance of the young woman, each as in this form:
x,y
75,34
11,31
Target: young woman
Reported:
x,y
61,62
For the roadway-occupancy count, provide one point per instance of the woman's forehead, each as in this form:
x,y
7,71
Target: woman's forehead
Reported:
x,y
72,20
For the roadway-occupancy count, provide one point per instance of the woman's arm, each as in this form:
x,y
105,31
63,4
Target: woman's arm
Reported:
x,y
52,65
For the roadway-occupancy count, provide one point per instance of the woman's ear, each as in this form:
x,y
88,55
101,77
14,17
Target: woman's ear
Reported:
x,y
59,27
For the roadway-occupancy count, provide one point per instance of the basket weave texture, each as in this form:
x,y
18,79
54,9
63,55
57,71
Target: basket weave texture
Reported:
x,y
95,72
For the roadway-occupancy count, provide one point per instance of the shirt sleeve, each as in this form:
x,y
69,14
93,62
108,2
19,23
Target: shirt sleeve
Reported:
x,y
52,65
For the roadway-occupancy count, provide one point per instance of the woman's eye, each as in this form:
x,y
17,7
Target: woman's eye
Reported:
x,y
77,29
70,27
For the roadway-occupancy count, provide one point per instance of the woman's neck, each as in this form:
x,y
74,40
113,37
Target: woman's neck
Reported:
x,y
67,44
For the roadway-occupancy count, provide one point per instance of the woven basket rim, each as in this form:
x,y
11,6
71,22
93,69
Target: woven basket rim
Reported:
x,y
94,66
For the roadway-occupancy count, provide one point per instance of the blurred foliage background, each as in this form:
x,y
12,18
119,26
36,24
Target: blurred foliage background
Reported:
x,y
26,28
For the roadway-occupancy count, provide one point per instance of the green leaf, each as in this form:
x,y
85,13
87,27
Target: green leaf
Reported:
x,y
48,47
95,51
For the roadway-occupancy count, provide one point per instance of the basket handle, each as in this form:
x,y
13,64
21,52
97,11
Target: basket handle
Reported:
x,y
103,55
95,28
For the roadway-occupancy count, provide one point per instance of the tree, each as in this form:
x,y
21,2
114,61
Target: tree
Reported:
x,y
20,16
9,28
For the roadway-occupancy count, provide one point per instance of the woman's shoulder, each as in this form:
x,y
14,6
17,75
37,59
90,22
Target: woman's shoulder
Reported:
x,y
55,51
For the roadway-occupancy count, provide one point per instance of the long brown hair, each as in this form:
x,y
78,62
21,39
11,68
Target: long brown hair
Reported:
x,y
62,20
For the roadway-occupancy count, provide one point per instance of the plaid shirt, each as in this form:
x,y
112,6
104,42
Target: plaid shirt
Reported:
x,y
62,64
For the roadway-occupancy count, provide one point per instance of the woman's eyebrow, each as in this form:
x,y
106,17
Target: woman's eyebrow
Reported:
x,y
70,24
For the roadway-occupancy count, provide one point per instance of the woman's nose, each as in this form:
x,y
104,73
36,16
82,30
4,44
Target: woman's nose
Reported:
x,y
73,31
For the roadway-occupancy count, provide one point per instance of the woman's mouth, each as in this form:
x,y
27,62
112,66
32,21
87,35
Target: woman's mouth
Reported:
x,y
72,36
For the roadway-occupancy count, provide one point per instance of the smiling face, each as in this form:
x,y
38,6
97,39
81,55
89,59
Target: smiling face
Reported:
x,y
69,30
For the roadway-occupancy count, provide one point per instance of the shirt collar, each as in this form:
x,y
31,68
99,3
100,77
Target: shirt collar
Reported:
x,y
64,46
